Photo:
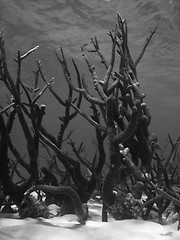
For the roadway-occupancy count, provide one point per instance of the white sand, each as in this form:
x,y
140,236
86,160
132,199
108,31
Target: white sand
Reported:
x,y
67,228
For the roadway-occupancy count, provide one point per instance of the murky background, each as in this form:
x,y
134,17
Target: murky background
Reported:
x,y
71,23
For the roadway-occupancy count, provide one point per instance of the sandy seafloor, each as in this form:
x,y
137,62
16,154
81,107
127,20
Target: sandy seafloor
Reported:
x,y
67,227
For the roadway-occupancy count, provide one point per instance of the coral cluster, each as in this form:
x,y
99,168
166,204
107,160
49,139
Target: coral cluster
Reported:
x,y
120,119
126,207
33,207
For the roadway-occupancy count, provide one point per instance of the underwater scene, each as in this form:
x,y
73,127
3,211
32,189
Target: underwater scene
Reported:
x,y
89,119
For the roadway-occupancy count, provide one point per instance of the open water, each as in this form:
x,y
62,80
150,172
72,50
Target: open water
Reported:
x,y
71,23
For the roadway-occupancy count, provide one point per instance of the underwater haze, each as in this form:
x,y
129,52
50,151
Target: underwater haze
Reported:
x,y
72,23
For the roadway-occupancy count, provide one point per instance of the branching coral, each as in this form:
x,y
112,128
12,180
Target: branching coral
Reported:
x,y
121,120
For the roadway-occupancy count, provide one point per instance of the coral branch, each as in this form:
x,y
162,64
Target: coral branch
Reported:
x,y
81,213
145,46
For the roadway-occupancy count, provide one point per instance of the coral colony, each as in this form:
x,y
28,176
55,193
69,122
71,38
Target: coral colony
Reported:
x,y
133,179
